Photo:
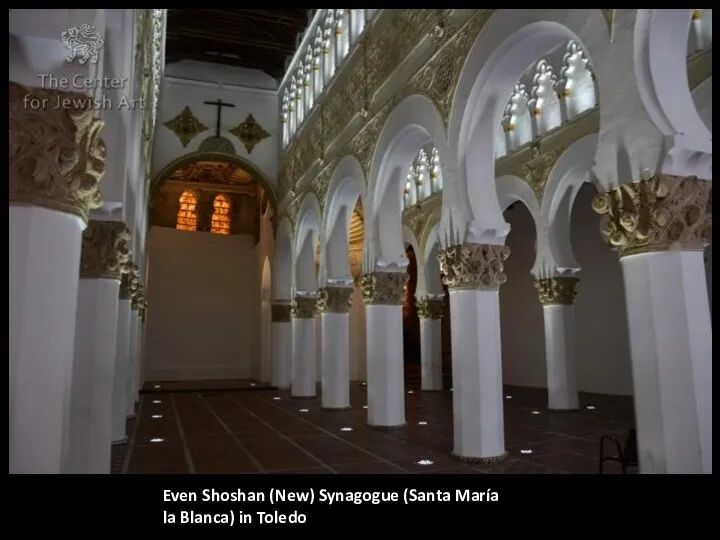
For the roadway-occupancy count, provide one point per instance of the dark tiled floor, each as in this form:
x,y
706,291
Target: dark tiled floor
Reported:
x,y
266,431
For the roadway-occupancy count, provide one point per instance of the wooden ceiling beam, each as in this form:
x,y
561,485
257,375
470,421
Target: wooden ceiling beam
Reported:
x,y
274,69
264,15
223,37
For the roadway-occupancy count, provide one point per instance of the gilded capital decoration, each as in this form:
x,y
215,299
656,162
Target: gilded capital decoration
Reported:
x,y
304,307
281,312
473,266
334,300
129,283
430,308
56,155
557,290
105,252
384,288
663,213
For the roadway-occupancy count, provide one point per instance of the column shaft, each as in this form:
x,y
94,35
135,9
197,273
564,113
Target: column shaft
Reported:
x,y
304,348
334,306
122,371
282,345
430,313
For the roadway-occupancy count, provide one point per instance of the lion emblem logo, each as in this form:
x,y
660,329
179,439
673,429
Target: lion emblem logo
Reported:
x,y
84,43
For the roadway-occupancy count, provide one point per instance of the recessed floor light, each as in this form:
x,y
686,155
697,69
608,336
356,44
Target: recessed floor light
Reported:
x,y
508,396
452,389
425,462
364,406
422,423
411,391
276,398
304,410
535,412
363,384
252,384
157,401
157,416
590,407
157,439
346,429
156,386
526,451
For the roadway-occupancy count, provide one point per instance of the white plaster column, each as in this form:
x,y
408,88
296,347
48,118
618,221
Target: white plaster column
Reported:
x,y
122,367
668,317
384,294
104,257
557,295
429,309
473,274
303,345
52,187
134,356
334,307
282,344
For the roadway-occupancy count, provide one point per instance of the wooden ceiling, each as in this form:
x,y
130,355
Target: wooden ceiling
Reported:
x,y
261,39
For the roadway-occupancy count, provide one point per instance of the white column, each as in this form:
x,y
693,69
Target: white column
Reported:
x,y
334,306
49,205
557,295
122,369
303,345
473,274
104,257
384,294
133,356
430,310
282,347
358,341
668,319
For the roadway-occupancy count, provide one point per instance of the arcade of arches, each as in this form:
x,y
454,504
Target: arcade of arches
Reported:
x,y
517,229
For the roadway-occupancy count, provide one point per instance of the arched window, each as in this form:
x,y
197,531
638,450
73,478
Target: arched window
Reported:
x,y
187,212
221,215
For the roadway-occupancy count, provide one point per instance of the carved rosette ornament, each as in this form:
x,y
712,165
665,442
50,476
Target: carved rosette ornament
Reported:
x,y
334,300
105,252
663,213
384,288
473,266
304,307
430,308
280,312
56,155
557,291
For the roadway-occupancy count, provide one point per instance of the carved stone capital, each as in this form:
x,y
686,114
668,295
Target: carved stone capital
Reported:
x,y
129,282
430,308
56,155
138,302
105,252
473,266
557,290
281,312
664,213
384,288
304,307
334,300
143,312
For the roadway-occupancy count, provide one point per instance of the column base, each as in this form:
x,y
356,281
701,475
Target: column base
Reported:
x,y
335,409
388,429
124,440
479,460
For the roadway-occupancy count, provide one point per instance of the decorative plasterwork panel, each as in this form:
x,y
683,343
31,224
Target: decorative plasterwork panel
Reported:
x,y
250,133
321,183
186,126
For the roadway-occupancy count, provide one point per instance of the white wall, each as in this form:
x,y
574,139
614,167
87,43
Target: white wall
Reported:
x,y
203,290
602,353
262,103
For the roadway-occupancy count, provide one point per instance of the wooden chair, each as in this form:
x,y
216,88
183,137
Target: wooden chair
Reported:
x,y
626,456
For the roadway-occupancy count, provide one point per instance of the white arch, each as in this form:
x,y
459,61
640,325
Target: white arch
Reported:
x,y
660,59
511,189
282,267
306,238
495,63
432,281
702,96
412,124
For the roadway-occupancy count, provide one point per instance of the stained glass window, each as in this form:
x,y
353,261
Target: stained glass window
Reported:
x,y
187,212
221,215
